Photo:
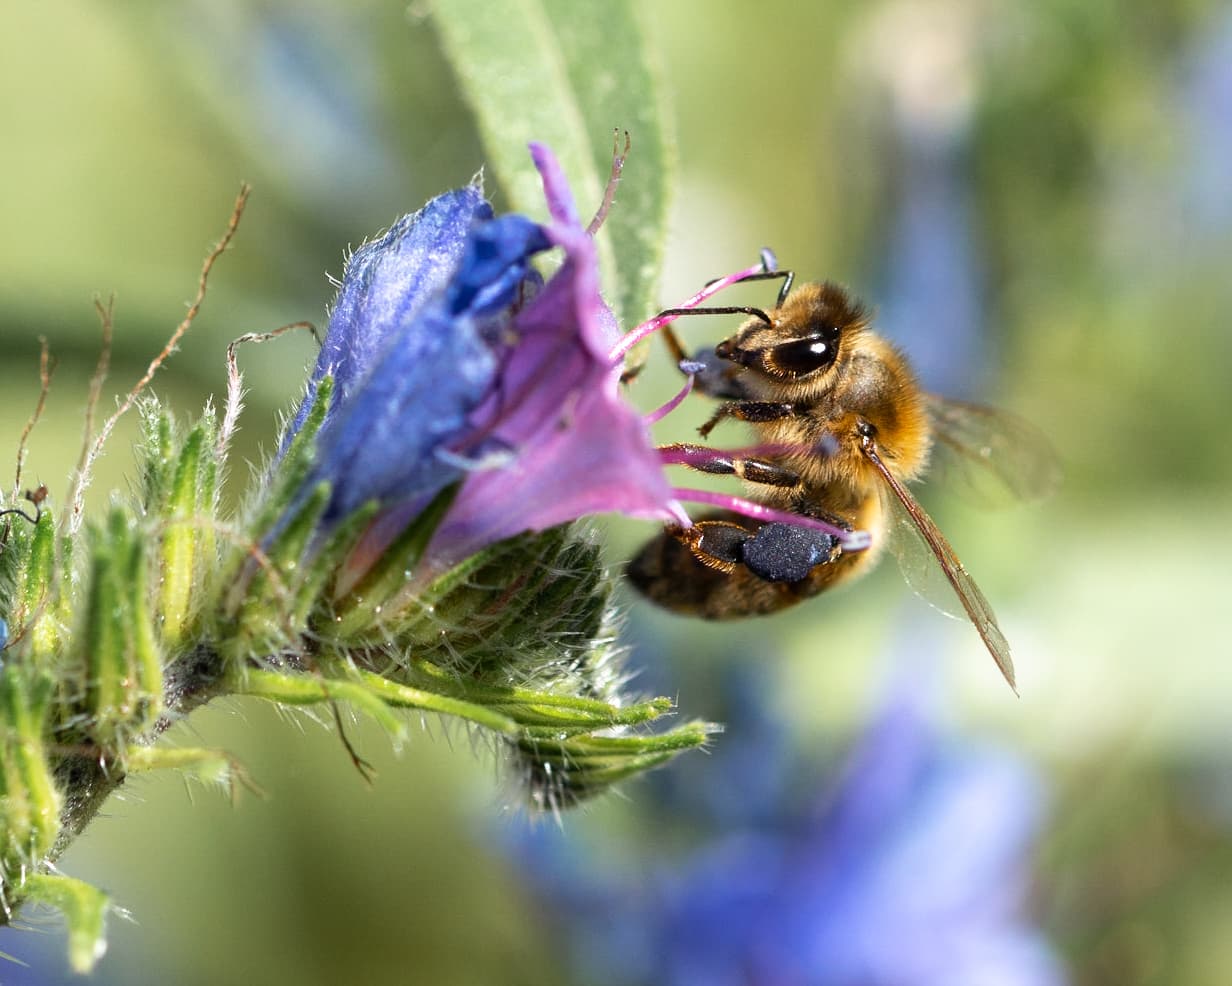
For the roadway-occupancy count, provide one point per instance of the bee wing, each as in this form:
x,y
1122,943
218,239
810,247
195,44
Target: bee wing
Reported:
x,y
993,456
923,553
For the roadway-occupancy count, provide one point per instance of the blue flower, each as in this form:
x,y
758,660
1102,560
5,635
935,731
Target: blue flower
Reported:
x,y
911,872
413,346
452,361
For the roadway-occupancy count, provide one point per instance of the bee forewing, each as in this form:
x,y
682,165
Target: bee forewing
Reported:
x,y
933,571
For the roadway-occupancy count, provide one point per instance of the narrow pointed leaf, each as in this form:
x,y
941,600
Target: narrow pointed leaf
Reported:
x,y
567,75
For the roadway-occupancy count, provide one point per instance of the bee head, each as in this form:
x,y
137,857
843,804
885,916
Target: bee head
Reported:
x,y
802,338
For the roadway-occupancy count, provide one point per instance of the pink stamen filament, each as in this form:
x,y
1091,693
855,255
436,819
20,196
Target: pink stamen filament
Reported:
x,y
850,540
660,413
653,325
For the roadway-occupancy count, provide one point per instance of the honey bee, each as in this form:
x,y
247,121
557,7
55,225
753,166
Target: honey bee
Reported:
x,y
843,428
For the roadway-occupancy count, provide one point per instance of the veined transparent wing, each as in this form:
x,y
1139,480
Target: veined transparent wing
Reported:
x,y
931,567
991,456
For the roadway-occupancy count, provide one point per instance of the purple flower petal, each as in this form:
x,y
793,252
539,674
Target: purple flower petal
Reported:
x,y
578,448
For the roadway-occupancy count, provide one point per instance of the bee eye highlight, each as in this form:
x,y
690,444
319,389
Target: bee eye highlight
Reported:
x,y
802,356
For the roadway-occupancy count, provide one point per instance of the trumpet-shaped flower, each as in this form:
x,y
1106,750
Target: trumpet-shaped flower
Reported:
x,y
452,361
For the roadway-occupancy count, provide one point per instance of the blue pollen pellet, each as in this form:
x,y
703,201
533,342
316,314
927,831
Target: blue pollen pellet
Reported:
x,y
786,552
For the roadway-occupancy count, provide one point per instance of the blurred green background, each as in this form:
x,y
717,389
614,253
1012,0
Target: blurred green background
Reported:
x,y
1036,196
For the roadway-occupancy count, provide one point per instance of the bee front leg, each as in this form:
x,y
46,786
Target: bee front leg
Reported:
x,y
754,411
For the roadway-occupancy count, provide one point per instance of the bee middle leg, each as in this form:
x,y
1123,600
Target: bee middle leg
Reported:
x,y
754,411
751,468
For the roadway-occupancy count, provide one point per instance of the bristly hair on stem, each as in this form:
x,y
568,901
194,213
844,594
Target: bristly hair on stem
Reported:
x,y
93,448
47,369
235,379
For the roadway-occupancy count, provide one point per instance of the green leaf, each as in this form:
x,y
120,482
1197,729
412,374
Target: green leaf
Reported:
x,y
567,74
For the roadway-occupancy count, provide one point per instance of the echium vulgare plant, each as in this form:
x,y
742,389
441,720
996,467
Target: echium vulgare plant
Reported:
x,y
410,546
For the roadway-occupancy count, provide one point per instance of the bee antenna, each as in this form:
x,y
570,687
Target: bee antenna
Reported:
x,y
769,272
725,310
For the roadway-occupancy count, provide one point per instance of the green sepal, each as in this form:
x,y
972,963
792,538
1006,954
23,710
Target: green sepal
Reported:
x,y
207,490
101,650
265,597
469,604
320,570
84,908
117,644
29,801
145,657
285,481
156,454
530,611
560,773
38,596
285,550
296,463
363,606
179,561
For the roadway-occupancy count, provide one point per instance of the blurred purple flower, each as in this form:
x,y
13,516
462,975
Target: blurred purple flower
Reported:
x,y
912,873
452,361
1206,101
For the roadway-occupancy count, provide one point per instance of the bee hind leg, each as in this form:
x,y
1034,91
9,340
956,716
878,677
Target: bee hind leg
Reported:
x,y
719,569
691,570
717,544
788,552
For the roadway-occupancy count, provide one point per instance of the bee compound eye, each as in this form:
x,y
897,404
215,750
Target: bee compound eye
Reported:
x,y
787,552
801,356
